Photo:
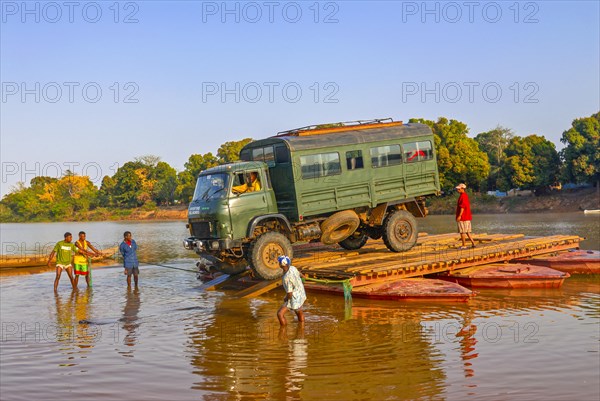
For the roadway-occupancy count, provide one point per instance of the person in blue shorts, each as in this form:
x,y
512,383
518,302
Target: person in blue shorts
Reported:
x,y
128,249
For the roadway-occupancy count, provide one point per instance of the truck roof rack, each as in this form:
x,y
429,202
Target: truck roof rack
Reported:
x,y
319,129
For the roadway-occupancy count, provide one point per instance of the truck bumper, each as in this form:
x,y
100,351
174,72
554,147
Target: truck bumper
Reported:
x,y
210,245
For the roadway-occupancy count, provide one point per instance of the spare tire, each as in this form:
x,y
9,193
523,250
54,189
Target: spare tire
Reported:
x,y
339,226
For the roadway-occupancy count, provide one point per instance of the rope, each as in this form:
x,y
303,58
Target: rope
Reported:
x,y
346,284
170,267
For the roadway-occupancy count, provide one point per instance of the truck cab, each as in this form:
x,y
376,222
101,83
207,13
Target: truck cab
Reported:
x,y
225,200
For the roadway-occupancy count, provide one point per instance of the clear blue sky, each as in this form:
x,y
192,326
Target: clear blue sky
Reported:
x,y
351,60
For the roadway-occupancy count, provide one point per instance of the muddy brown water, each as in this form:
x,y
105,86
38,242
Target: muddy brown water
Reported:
x,y
170,340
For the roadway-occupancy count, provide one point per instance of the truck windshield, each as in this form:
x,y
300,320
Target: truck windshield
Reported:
x,y
211,186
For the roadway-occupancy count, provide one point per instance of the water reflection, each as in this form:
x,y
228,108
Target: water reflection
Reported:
x,y
73,333
373,350
64,316
369,356
222,348
467,340
297,359
130,318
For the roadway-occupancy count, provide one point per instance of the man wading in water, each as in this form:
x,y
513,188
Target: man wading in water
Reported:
x,y
64,251
294,291
128,249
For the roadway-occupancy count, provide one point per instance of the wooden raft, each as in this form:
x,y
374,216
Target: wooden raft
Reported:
x,y
432,254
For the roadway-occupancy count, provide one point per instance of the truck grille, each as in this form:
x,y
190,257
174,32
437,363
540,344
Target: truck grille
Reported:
x,y
201,229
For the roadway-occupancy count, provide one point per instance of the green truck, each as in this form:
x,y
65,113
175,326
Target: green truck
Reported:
x,y
337,183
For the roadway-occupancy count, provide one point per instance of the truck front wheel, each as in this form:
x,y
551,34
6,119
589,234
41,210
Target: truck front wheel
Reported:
x,y
400,231
264,252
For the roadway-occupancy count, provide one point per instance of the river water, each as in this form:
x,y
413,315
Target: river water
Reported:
x,y
171,340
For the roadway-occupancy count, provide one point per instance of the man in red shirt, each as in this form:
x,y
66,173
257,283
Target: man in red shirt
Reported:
x,y
463,215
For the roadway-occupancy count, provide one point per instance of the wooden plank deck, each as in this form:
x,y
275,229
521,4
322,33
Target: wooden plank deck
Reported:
x,y
259,288
432,254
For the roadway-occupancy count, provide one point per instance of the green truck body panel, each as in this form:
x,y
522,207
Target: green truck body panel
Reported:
x,y
344,188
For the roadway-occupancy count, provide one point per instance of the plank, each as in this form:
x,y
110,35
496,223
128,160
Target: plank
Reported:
x,y
426,262
221,281
259,288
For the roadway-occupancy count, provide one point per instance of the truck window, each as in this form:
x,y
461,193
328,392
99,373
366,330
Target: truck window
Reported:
x,y
354,159
382,156
258,154
281,155
211,186
265,154
320,165
246,155
245,182
268,154
417,151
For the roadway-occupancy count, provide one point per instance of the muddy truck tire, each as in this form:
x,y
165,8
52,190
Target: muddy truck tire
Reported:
x,y
263,254
400,231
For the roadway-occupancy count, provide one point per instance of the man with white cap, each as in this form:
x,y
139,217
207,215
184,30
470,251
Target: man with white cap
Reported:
x,y
294,291
463,215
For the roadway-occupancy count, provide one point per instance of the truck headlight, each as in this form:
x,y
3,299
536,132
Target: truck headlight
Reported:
x,y
214,245
189,243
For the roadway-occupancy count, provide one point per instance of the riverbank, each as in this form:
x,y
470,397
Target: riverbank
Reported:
x,y
563,201
104,214
160,213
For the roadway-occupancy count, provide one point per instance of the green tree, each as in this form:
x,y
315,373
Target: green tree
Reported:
x,y
165,177
531,163
493,143
582,154
517,170
547,163
106,192
24,202
51,198
459,157
129,184
77,192
230,151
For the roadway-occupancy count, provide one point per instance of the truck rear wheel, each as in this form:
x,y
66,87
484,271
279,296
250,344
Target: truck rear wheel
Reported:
x,y
264,252
355,241
400,231
339,226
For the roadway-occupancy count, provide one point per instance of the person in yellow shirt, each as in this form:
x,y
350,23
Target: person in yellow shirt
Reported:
x,y
252,186
80,260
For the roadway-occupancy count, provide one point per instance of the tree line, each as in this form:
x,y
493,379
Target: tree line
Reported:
x,y
492,160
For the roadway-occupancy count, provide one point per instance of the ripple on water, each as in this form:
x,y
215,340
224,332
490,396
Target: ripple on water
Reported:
x,y
182,343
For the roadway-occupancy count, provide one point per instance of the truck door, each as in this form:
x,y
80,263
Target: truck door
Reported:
x,y
248,199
